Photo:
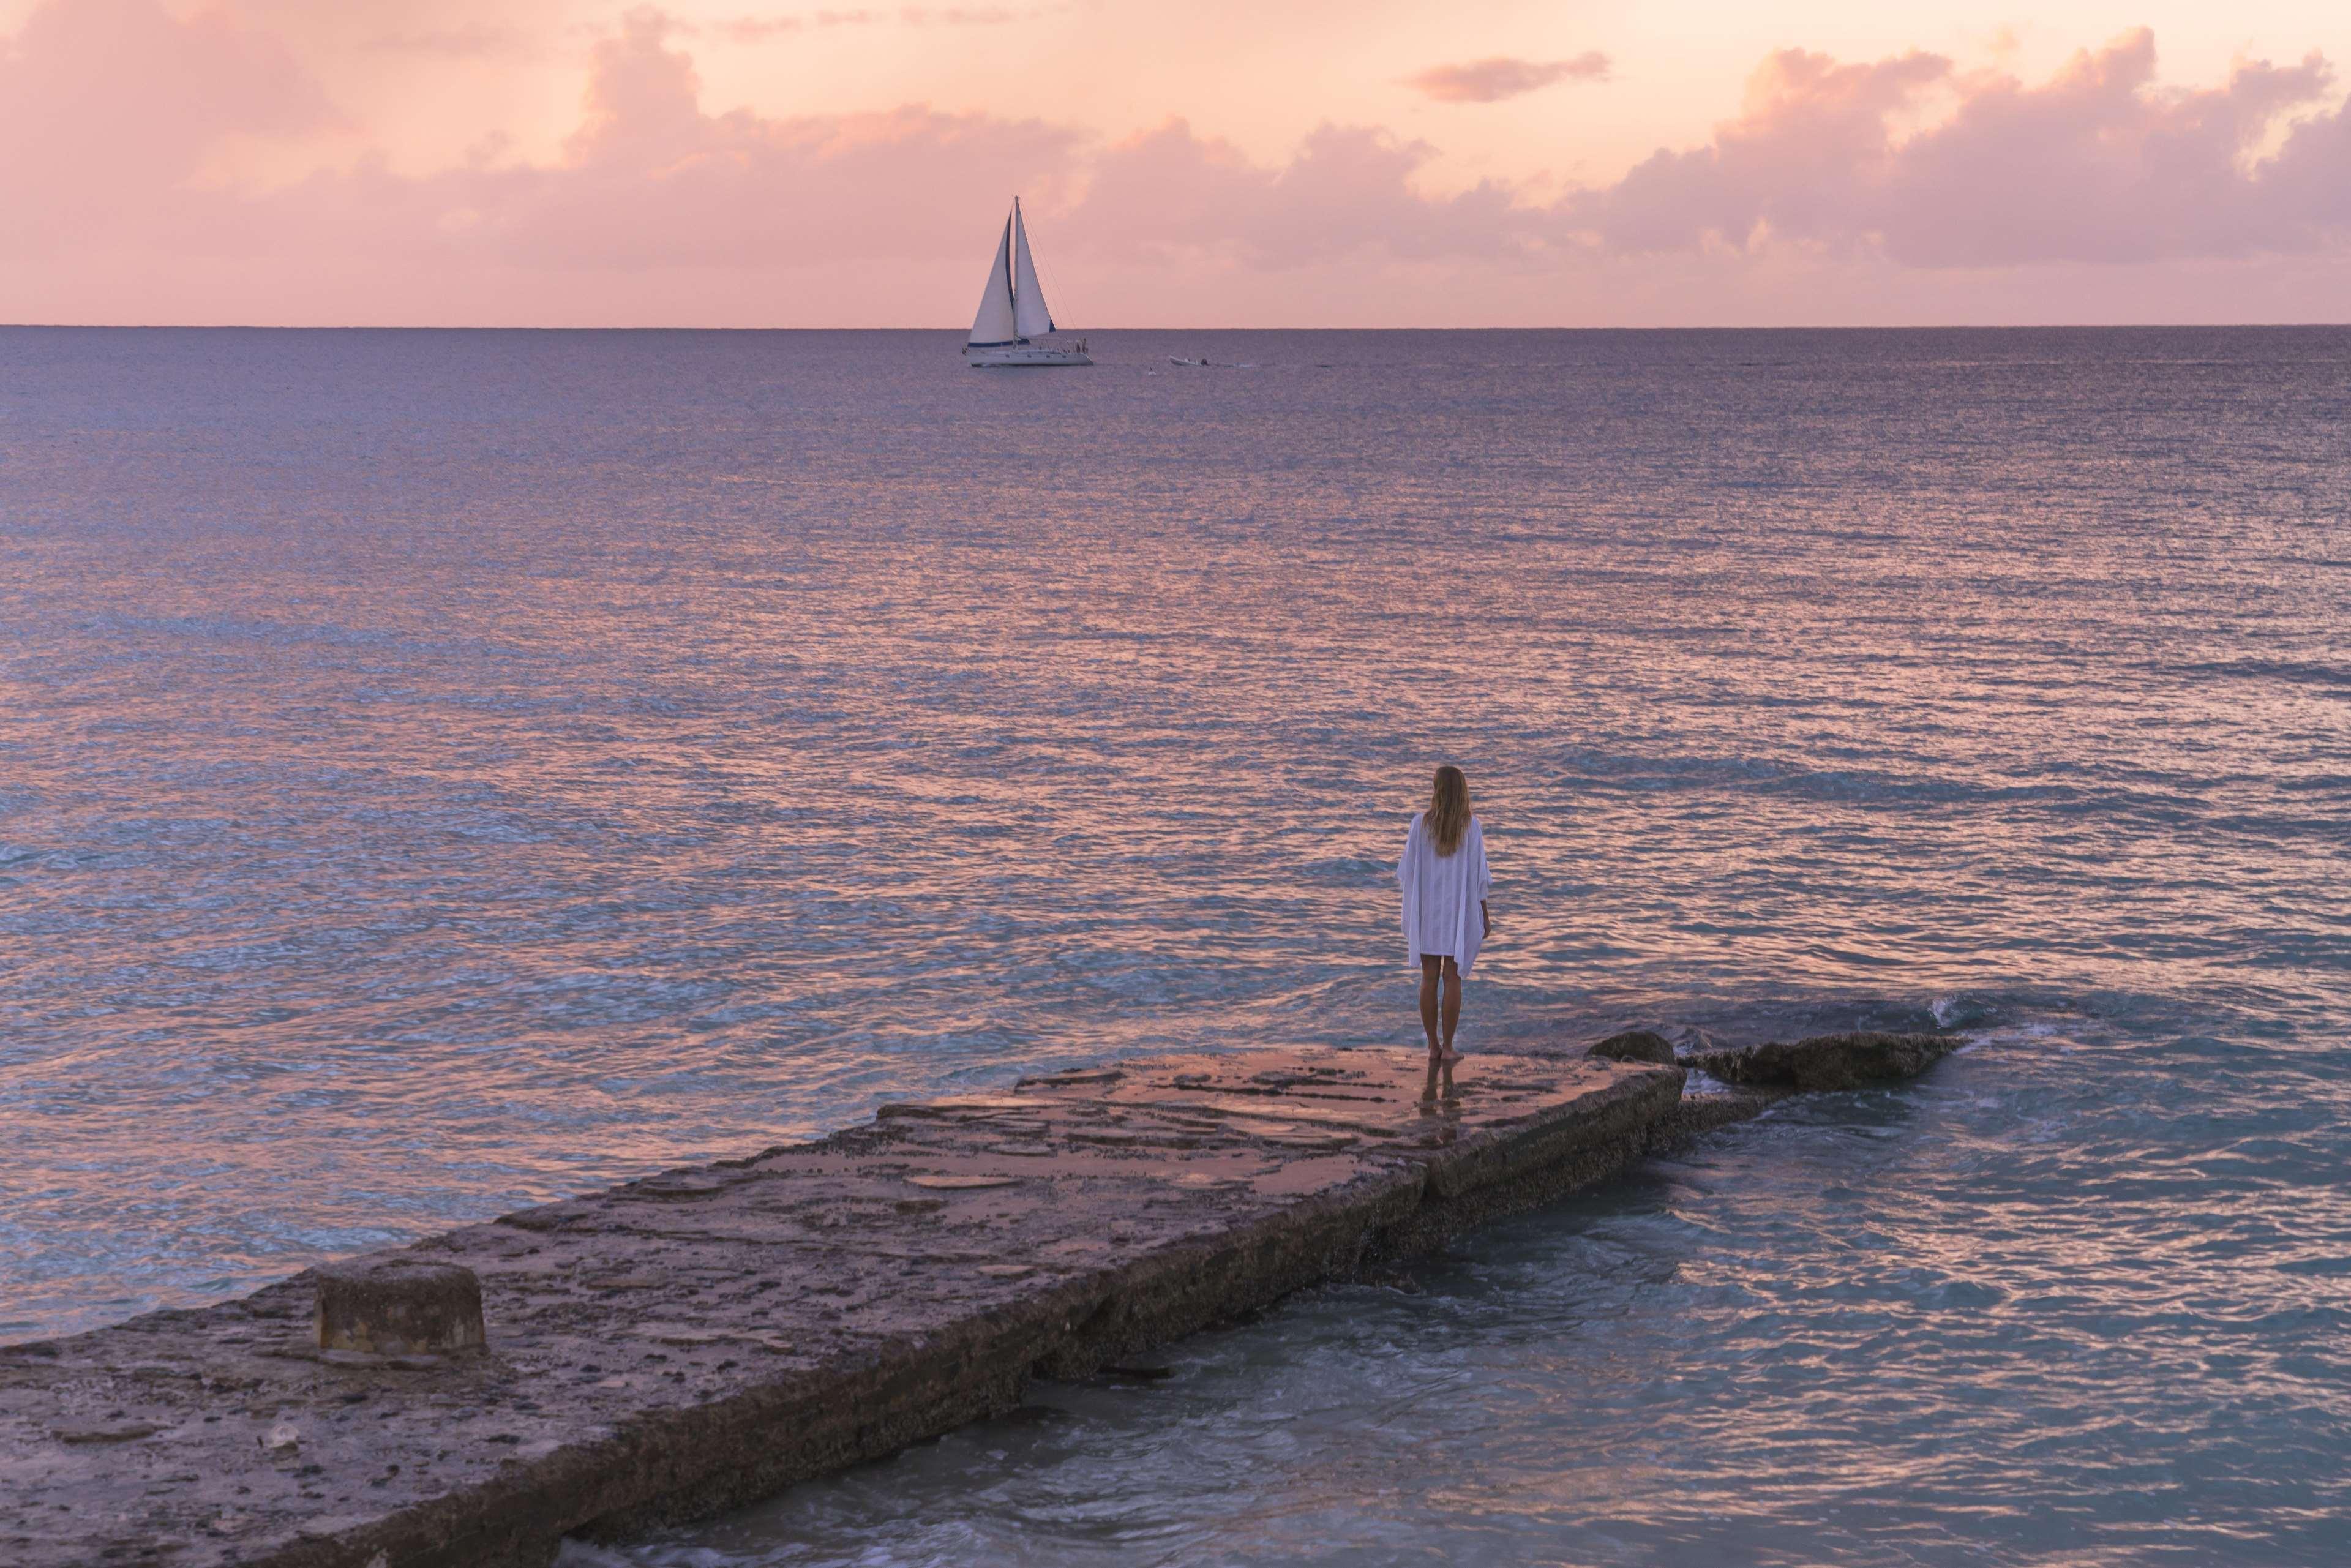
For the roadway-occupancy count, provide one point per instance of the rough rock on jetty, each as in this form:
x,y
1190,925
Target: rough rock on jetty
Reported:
x,y
701,1338
1823,1062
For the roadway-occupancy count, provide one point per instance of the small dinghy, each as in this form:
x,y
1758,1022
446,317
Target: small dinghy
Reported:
x,y
1013,315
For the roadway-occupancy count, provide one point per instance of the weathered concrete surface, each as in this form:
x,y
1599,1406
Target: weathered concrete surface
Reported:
x,y
1823,1062
704,1337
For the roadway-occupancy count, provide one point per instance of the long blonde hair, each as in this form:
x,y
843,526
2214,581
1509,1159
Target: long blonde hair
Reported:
x,y
1448,809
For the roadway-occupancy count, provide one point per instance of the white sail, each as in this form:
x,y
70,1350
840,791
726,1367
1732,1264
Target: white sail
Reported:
x,y
1033,318
1013,321
994,324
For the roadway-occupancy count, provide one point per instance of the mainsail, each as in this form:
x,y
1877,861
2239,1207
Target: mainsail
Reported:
x,y
1032,317
995,325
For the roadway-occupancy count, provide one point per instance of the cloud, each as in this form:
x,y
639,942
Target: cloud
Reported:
x,y
759,30
109,109
1347,191
958,16
1797,160
1492,80
471,41
649,180
2097,164
658,209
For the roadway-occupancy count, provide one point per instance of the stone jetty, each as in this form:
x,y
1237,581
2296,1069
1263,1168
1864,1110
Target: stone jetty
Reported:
x,y
698,1339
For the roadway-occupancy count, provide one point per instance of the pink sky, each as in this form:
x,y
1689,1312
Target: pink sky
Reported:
x,y
1481,163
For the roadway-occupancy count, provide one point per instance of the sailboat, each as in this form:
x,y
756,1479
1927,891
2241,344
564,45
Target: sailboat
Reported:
x,y
1012,310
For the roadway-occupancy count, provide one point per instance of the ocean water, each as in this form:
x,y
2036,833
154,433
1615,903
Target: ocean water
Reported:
x,y
441,772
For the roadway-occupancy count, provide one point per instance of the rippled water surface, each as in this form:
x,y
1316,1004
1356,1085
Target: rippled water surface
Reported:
x,y
443,770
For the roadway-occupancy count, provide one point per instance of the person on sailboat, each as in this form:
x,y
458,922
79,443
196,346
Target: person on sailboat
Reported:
x,y
1443,873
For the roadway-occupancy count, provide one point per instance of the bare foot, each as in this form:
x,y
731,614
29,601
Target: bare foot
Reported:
x,y
1448,1056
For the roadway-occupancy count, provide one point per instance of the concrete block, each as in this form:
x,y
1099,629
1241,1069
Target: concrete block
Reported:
x,y
400,1305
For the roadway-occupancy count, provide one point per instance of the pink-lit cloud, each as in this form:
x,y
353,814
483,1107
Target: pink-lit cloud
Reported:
x,y
657,208
109,109
468,41
2093,166
1492,80
957,16
1347,191
759,30
651,179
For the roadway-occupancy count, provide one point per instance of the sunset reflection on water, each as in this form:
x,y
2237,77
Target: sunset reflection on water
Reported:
x,y
443,771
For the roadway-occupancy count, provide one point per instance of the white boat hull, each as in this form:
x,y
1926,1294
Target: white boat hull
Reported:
x,y
1023,356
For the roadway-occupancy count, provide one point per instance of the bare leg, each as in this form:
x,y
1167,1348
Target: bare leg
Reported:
x,y
1428,972
1452,1008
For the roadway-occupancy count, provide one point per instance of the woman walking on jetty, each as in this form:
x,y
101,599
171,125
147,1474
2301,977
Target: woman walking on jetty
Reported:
x,y
1443,877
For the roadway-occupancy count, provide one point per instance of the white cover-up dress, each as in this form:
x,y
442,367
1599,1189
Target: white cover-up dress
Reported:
x,y
1442,893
